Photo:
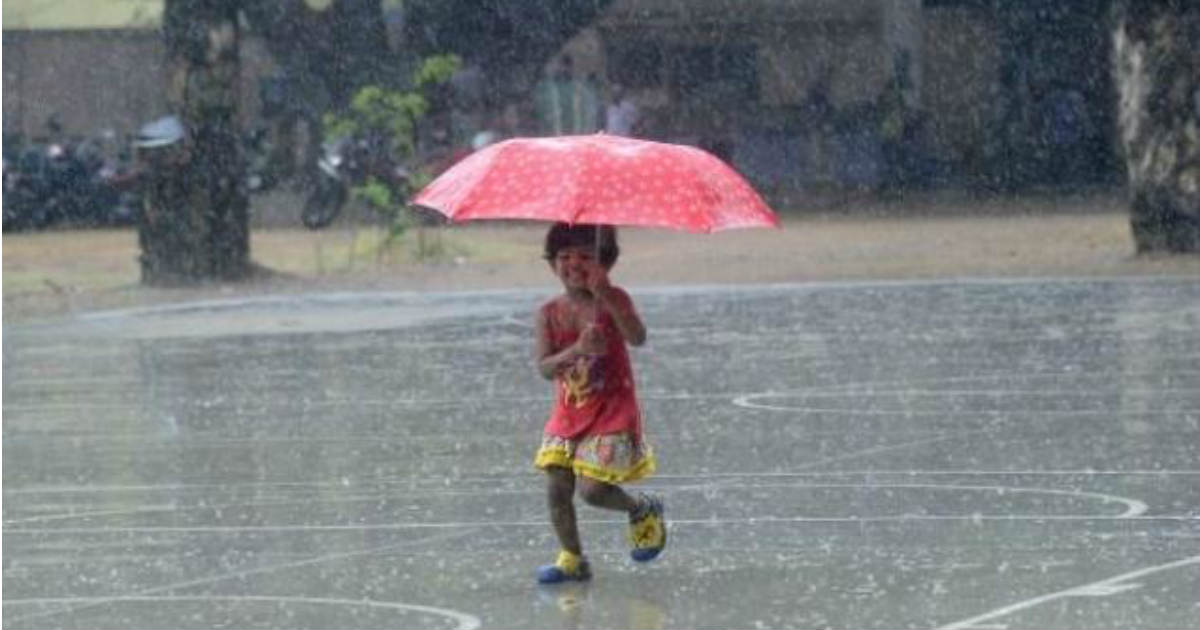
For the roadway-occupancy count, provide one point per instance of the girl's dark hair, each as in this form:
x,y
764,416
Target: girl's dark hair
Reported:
x,y
567,235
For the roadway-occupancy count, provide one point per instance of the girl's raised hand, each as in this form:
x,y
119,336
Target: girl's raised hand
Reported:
x,y
592,341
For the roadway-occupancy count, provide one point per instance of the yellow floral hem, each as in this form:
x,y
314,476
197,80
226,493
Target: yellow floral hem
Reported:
x,y
631,464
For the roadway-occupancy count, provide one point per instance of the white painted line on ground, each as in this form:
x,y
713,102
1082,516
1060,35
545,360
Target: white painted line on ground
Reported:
x,y
925,393
868,386
464,621
408,298
747,402
902,518
705,475
902,472
240,574
155,509
1110,586
1133,507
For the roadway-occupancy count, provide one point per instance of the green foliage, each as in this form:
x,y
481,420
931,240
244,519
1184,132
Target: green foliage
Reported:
x,y
377,111
392,115
389,203
436,70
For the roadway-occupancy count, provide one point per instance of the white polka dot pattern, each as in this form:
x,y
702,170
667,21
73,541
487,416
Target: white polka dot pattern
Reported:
x,y
598,179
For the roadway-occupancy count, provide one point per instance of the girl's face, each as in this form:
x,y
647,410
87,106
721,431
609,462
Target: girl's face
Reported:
x,y
574,265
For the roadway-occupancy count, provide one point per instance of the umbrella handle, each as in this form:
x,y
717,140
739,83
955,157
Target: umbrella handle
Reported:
x,y
596,302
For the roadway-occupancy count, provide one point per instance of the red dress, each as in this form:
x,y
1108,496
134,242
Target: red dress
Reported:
x,y
595,426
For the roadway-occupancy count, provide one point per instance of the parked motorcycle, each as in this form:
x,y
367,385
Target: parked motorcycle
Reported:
x,y
345,163
25,186
65,182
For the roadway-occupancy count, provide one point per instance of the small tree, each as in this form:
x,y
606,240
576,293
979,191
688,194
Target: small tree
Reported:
x,y
387,121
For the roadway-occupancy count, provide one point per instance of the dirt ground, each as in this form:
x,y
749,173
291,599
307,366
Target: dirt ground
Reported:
x,y
68,271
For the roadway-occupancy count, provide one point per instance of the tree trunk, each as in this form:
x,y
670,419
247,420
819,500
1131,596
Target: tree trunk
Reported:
x,y
195,226
1157,66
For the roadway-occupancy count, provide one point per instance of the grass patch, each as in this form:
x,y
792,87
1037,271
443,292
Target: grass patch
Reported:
x,y
364,249
36,281
55,261
69,260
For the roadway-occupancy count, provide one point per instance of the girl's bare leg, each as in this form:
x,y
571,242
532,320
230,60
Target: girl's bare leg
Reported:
x,y
560,495
606,495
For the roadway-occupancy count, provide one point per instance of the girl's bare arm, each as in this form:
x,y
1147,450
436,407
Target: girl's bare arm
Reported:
x,y
620,306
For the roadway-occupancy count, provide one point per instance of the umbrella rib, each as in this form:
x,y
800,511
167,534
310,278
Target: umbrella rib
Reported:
x,y
483,184
699,176
710,225
581,164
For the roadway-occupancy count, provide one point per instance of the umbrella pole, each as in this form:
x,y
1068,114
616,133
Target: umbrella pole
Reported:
x,y
596,302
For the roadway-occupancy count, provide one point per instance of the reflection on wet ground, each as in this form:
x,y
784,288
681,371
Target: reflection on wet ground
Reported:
x,y
934,455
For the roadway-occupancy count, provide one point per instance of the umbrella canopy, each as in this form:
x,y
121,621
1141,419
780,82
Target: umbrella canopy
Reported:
x,y
598,179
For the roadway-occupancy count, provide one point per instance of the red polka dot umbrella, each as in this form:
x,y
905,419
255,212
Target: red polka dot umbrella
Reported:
x,y
598,179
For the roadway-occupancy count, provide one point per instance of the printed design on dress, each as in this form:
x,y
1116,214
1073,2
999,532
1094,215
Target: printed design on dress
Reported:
x,y
584,378
615,451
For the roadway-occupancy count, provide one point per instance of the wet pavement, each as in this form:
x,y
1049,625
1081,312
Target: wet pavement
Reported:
x,y
988,454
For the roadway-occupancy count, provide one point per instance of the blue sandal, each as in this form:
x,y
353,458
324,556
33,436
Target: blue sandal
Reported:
x,y
567,568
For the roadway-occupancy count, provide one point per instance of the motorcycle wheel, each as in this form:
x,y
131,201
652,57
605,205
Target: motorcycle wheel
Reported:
x,y
324,203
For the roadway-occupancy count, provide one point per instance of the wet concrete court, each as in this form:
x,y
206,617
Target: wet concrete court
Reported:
x,y
990,454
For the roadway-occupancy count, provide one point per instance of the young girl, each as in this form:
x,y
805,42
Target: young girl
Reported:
x,y
593,439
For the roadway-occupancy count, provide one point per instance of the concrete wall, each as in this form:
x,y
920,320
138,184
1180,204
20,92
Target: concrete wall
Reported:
x,y
98,79
91,80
